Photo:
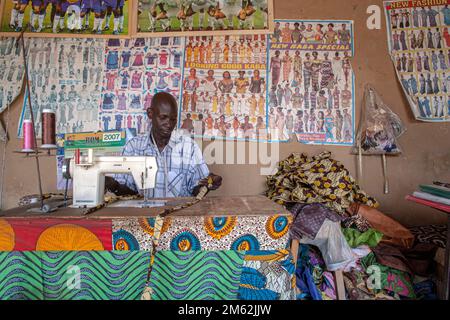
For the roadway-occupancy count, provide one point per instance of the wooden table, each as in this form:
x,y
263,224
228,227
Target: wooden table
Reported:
x,y
254,226
210,206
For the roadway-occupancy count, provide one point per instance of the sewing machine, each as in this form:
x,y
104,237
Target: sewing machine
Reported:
x,y
88,175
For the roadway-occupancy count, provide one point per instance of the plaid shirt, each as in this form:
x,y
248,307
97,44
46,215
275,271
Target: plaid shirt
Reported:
x,y
181,162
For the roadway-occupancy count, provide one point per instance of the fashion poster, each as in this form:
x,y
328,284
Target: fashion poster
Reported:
x,y
134,71
419,43
65,76
66,17
224,87
311,83
207,16
12,71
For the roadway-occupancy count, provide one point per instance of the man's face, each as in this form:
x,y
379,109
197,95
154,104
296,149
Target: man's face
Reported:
x,y
164,120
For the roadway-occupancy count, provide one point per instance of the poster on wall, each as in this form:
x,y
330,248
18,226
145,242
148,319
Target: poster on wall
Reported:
x,y
66,18
103,144
135,70
224,87
205,17
419,43
12,71
311,84
65,76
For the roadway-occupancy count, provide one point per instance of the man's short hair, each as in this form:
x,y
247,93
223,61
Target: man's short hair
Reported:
x,y
163,98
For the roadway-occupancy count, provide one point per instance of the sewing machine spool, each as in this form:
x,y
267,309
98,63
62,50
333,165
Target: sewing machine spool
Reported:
x,y
29,143
48,129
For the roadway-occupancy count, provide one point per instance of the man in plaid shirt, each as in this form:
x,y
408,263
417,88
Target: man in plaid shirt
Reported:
x,y
182,171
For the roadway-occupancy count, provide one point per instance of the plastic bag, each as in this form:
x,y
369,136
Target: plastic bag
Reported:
x,y
379,127
331,242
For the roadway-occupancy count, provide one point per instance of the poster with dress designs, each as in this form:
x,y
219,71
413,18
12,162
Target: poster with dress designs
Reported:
x,y
65,76
419,43
311,83
224,87
136,69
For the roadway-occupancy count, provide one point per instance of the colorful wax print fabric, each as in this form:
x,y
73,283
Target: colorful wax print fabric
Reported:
x,y
94,275
267,275
55,234
21,276
398,283
65,76
319,179
433,234
78,275
312,279
311,85
224,87
357,286
308,219
196,275
134,71
204,233
419,43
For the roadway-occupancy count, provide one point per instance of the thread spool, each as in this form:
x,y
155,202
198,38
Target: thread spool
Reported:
x,y
48,129
29,144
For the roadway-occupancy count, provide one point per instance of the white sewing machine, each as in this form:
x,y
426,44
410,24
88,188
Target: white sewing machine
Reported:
x,y
88,175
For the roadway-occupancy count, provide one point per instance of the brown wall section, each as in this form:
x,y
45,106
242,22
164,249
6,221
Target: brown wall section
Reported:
x,y
426,146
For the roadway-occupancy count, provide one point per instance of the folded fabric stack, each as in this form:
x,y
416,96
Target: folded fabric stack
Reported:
x,y
436,195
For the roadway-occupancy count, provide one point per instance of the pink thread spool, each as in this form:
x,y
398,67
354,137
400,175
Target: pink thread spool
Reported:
x,y
29,144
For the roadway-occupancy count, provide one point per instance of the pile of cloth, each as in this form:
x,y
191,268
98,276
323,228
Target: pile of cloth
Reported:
x,y
339,228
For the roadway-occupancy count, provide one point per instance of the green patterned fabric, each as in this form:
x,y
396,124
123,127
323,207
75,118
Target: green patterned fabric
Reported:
x,y
196,275
355,238
392,280
73,275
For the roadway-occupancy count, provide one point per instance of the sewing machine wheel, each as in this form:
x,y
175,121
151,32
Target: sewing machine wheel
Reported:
x,y
66,169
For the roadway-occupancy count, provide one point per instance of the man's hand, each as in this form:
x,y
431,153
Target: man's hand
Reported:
x,y
213,182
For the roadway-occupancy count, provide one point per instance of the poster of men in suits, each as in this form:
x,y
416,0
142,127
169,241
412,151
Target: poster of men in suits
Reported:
x,y
419,43
310,83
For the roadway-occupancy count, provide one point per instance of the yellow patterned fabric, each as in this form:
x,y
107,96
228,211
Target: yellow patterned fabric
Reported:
x,y
68,237
148,224
7,239
277,226
319,179
276,255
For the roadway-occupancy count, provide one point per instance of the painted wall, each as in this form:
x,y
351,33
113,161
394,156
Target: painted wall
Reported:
x,y
426,147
